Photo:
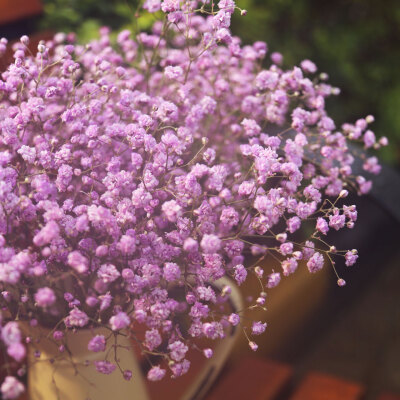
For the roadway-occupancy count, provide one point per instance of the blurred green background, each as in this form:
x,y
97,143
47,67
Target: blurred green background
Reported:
x,y
357,42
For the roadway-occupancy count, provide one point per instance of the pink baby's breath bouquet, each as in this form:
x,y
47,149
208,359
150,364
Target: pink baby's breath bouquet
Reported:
x,y
134,167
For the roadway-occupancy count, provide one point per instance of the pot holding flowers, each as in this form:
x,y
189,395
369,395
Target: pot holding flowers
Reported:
x,y
81,364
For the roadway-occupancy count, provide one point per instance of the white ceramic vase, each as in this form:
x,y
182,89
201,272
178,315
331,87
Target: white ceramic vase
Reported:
x,y
73,376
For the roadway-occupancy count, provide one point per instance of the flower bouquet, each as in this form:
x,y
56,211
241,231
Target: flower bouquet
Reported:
x,y
140,171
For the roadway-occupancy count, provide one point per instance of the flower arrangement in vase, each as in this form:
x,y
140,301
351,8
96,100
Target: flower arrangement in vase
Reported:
x,y
138,173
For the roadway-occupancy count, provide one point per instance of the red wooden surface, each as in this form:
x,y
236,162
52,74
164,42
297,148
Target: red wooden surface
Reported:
x,y
257,379
253,379
174,389
387,396
13,10
317,386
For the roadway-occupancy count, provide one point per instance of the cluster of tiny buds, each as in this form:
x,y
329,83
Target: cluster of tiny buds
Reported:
x,y
135,174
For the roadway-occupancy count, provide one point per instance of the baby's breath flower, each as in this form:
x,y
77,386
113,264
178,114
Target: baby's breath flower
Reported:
x,y
135,173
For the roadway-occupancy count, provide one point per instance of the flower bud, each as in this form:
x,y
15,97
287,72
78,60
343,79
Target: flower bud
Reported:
x,y
341,282
226,290
24,40
260,301
253,346
281,237
370,119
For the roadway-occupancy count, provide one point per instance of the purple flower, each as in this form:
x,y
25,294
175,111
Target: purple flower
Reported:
x,y
371,165
97,343
172,210
212,330
45,297
308,249
177,350
156,373
258,328
173,72
49,232
316,262
179,369
341,282
17,351
27,153
277,58
251,127
11,333
322,226
153,339
240,273
229,217
11,388
337,221
289,266
58,335
119,321
208,353
190,245
171,272
76,318
300,119
286,248
108,273
170,5
65,174
273,280
199,310
210,243
293,224
105,301
208,294
267,80
78,262
127,375
127,244
351,257
253,346
308,66
369,139
234,319
304,210
152,5
104,367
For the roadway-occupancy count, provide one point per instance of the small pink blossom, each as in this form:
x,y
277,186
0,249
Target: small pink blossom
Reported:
x,y
119,321
45,297
11,388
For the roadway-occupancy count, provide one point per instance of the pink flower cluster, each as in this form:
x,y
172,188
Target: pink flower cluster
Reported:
x,y
167,160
